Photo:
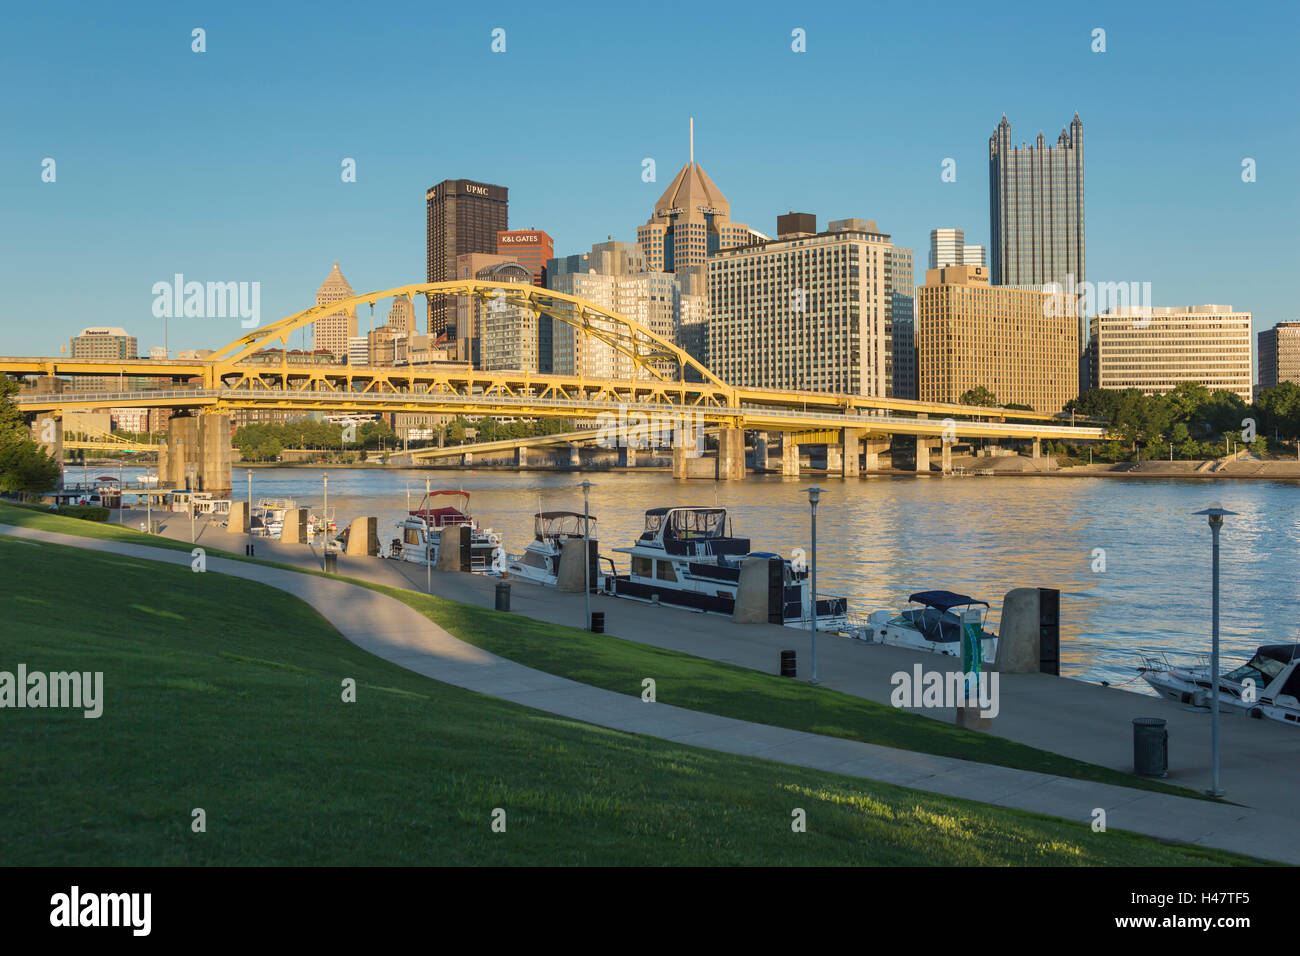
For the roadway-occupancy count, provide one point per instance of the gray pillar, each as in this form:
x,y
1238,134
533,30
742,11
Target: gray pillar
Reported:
x,y
789,456
731,454
626,456
922,455
946,465
850,466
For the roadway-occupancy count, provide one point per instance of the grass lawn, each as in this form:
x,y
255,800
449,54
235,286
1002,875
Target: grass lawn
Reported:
x,y
226,695
695,683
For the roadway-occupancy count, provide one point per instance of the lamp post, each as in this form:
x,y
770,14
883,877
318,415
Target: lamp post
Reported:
x,y
428,541
1215,513
249,516
586,547
814,494
190,488
325,517
148,503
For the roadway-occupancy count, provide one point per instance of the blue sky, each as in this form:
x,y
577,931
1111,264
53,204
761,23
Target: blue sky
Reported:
x,y
225,165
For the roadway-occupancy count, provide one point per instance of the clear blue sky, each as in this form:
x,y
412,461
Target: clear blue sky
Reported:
x,y
225,165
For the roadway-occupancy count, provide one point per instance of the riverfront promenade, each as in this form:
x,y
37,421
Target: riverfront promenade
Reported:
x,y
392,630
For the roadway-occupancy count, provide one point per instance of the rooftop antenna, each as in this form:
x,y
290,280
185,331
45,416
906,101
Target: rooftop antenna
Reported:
x,y
692,140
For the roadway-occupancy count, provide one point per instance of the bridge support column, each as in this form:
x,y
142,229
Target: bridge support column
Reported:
x,y
834,458
851,465
575,458
521,457
872,456
760,450
789,456
467,459
946,459
626,456
1038,448
922,455
731,454
197,455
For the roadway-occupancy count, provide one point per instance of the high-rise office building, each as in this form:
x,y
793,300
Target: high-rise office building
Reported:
x,y
531,248
507,333
1036,208
804,311
1154,349
462,217
903,316
946,246
333,332
107,343
401,316
1013,342
1279,355
974,256
691,221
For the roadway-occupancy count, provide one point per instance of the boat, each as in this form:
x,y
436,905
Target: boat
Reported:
x,y
268,516
935,626
1268,685
687,556
420,532
540,561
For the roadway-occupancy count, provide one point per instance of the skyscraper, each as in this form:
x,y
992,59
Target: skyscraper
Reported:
x,y
1036,208
903,337
946,246
333,332
691,221
104,342
462,217
530,247
1279,355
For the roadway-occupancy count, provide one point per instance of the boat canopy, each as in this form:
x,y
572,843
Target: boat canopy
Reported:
x,y
1284,653
944,600
563,524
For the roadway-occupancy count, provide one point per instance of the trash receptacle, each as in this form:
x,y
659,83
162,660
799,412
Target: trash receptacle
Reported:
x,y
1150,747
503,595
598,622
157,526
788,666
331,561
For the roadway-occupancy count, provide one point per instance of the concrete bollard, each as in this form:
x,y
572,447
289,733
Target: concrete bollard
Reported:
x,y
453,549
363,537
569,575
753,604
237,523
295,527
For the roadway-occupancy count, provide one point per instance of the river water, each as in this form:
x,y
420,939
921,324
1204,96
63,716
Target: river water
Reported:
x,y
883,538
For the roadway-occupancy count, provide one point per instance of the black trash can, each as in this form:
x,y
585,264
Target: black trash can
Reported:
x,y
248,549
1150,747
503,595
788,665
598,622
331,561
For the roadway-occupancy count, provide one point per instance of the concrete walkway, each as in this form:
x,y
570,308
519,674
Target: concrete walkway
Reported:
x,y
390,629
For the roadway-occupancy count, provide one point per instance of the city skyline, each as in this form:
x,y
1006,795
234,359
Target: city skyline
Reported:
x,y
131,207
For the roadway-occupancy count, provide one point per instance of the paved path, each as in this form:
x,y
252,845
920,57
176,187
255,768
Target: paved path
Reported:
x,y
390,629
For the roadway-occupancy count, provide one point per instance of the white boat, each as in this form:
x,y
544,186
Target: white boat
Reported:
x,y
687,557
420,533
1268,685
935,626
540,561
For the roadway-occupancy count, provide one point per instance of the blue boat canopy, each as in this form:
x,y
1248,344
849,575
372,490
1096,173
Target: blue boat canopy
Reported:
x,y
944,600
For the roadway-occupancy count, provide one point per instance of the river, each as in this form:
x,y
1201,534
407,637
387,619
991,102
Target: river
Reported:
x,y
881,539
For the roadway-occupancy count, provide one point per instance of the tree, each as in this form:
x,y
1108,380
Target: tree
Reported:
x,y
979,395
24,465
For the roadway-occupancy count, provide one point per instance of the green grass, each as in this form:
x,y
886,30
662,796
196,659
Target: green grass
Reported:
x,y
225,694
691,682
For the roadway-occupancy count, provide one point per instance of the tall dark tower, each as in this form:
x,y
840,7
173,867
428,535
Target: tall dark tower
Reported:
x,y
1036,212
462,216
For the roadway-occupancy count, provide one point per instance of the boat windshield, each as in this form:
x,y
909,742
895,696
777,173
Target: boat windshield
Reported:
x,y
1261,669
563,524
698,523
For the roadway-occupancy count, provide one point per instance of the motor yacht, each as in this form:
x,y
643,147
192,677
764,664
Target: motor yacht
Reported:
x,y
1268,685
420,532
935,626
540,561
687,556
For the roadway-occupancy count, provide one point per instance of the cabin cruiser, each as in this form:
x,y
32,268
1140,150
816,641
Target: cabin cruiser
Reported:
x,y
1268,685
540,561
935,626
420,532
268,516
687,556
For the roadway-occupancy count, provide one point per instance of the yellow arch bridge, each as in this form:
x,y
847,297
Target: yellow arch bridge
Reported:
x,y
663,380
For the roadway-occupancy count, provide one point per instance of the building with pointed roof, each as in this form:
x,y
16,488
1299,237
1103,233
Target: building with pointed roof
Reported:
x,y
691,221
333,332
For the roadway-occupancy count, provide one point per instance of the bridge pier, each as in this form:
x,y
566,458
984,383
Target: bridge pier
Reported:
x,y
850,466
834,458
874,447
626,456
197,445
789,456
922,455
467,459
731,454
1038,448
575,458
760,450
521,457
946,459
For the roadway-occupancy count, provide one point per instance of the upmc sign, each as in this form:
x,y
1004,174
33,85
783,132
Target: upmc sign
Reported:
x,y
482,190
474,189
